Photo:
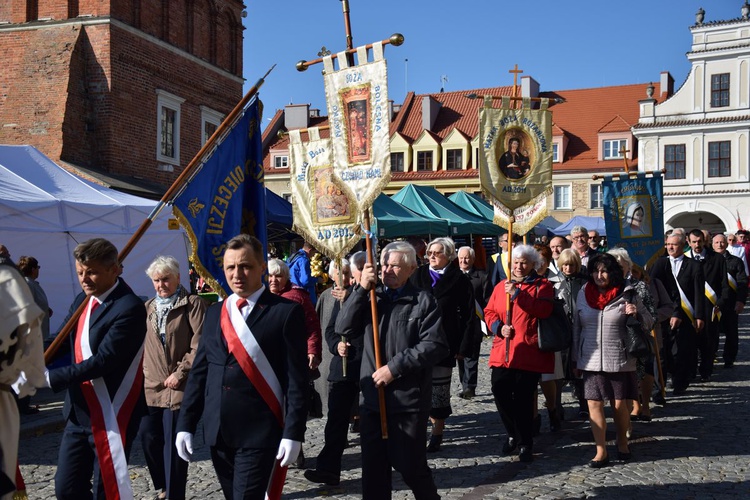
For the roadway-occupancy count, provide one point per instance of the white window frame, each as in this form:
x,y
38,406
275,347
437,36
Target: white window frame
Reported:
x,y
613,155
211,116
170,101
555,152
556,197
281,158
600,193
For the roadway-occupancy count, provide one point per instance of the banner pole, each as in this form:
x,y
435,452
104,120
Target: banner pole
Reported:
x,y
168,197
508,316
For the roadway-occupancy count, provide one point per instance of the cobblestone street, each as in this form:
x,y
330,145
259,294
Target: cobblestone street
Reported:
x,y
696,447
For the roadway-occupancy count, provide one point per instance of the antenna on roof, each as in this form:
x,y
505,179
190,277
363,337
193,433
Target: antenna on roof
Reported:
x,y
406,76
443,81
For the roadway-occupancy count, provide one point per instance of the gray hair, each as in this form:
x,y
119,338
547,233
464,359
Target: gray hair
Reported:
x,y
621,255
678,232
358,260
449,248
529,253
472,254
408,254
277,267
344,266
579,229
163,265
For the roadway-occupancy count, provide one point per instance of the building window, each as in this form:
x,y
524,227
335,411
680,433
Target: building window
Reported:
x,y
674,161
210,121
168,127
397,162
424,160
612,149
719,161
720,90
595,194
281,161
562,197
555,153
454,159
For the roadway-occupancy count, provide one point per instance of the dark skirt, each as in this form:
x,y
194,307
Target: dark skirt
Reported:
x,y
604,386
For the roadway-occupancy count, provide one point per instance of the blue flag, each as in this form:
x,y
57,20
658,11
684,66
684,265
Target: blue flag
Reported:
x,y
634,215
226,198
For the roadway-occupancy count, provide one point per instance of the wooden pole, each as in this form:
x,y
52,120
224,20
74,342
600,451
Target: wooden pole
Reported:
x,y
508,315
181,181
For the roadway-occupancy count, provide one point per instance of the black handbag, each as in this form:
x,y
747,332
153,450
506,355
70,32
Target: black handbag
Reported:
x,y
638,342
555,333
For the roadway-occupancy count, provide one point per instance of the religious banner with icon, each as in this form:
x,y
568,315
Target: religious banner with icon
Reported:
x,y
325,208
515,169
634,215
359,119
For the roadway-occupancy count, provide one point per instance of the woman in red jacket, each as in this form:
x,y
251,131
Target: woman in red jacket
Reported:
x,y
515,359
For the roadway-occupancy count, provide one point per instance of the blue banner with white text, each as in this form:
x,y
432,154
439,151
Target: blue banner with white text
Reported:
x,y
226,198
634,215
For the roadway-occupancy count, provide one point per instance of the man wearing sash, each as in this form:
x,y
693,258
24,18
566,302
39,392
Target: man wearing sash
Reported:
x,y
683,279
715,295
105,401
250,374
735,303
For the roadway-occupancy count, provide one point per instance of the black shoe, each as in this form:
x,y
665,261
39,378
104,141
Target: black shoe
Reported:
x,y
434,444
525,454
319,476
729,364
658,399
300,462
354,427
554,420
679,390
624,456
598,464
537,425
510,446
467,394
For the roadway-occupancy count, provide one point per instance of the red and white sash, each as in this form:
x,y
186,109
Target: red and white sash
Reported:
x,y
110,417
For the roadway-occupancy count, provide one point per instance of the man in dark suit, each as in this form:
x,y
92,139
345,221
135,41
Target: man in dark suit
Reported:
x,y
679,273
105,379
251,375
716,297
735,302
468,367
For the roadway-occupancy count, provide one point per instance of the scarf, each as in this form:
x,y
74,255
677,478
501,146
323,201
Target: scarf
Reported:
x,y
597,299
436,274
163,306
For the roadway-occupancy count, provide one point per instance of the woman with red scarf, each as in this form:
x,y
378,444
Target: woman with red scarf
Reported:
x,y
599,329
515,358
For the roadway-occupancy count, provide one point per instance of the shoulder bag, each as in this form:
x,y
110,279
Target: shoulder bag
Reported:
x,y
555,333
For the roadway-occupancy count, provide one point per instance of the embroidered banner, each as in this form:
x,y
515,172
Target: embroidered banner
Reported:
x,y
515,169
225,198
325,208
358,114
634,215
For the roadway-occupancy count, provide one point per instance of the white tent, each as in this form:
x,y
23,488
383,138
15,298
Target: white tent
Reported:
x,y
45,211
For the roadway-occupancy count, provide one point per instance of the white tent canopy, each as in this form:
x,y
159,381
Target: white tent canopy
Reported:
x,y
45,211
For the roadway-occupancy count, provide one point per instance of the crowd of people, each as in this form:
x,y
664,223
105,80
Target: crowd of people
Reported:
x,y
247,366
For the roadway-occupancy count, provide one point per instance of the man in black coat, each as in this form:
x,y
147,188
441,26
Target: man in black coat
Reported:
x,y
683,278
735,303
104,380
250,374
716,298
468,367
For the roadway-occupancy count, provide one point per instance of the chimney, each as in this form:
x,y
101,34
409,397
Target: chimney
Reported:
x,y
314,113
296,116
430,110
529,87
666,84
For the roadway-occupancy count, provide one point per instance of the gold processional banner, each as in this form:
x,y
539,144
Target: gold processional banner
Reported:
x,y
516,168
358,114
324,207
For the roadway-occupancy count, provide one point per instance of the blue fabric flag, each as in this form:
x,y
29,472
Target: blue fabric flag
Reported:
x,y
226,198
634,215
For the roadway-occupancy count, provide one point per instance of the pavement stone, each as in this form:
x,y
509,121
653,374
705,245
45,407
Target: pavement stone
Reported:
x,y
696,447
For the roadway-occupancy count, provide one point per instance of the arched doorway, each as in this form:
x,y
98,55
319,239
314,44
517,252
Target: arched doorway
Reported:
x,y
698,220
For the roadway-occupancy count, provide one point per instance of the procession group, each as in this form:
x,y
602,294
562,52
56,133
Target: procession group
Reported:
x,y
243,366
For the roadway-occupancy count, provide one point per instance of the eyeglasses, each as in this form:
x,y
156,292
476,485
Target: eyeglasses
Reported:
x,y
580,237
434,254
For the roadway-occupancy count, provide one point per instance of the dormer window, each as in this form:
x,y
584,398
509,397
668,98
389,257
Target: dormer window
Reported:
x,y
613,147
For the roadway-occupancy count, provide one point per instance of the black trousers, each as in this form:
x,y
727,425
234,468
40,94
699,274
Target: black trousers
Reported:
x,y
341,397
730,328
514,392
404,450
77,461
708,341
168,471
468,372
681,354
243,472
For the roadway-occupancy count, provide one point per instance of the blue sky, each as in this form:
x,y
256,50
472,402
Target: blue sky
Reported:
x,y
563,45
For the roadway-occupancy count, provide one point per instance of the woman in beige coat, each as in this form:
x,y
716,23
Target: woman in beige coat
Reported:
x,y
175,320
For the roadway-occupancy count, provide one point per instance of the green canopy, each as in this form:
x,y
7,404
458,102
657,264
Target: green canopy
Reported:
x,y
393,220
429,202
473,203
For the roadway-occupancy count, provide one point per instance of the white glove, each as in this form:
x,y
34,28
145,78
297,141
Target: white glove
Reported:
x,y
288,452
184,444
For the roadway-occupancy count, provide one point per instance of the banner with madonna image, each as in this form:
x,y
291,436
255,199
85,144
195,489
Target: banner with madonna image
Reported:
x,y
359,119
325,208
515,168
634,215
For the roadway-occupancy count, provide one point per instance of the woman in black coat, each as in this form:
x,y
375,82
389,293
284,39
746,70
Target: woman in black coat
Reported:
x,y
455,297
